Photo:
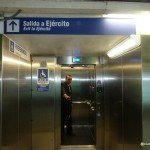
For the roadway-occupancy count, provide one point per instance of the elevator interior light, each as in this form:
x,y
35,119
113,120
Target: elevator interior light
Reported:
x,y
128,44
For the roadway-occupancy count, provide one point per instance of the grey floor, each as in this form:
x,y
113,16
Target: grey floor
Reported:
x,y
82,137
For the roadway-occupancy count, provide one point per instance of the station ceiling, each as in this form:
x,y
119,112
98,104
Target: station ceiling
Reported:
x,y
67,45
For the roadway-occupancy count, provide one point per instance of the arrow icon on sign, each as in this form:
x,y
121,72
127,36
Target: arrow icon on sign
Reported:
x,y
13,24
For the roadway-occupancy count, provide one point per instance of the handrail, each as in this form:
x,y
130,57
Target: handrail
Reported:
x,y
79,102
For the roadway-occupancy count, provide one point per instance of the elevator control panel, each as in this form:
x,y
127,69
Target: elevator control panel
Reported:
x,y
99,86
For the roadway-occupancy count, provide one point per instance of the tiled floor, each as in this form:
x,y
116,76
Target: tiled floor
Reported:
x,y
78,147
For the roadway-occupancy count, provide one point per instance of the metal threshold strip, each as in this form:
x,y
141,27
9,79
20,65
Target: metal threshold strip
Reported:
x,y
78,147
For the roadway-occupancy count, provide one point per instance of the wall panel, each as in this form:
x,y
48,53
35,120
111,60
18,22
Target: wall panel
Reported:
x,y
116,107
57,106
25,105
100,127
113,105
132,100
10,100
123,102
0,90
146,90
43,106
106,107
16,98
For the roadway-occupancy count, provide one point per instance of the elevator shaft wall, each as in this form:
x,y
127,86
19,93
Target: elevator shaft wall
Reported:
x,y
123,102
46,106
100,120
15,100
1,92
126,99
145,90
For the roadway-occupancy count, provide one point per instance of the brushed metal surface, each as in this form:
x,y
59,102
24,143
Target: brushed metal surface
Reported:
x,y
119,116
99,107
92,96
116,104
113,105
83,87
145,90
123,102
78,147
82,79
10,101
16,110
43,107
25,116
107,105
0,91
83,60
132,100
67,45
57,127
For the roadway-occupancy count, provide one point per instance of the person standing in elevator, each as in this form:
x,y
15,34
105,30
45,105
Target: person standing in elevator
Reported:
x,y
66,105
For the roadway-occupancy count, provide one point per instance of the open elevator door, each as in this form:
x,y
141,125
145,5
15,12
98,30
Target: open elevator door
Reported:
x,y
83,108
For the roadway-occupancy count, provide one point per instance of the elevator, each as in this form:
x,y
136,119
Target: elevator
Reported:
x,y
46,106
111,96
84,101
110,100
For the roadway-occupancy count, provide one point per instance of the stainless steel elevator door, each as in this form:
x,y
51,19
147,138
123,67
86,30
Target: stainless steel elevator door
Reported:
x,y
83,108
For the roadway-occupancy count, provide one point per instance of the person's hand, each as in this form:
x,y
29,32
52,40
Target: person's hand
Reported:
x,y
67,97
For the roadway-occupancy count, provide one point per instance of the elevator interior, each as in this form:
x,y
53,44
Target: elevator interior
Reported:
x,y
84,101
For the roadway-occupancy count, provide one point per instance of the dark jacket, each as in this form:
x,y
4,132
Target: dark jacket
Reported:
x,y
65,89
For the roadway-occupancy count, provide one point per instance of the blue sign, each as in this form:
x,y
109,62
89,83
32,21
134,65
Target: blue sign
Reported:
x,y
18,50
70,26
41,88
43,79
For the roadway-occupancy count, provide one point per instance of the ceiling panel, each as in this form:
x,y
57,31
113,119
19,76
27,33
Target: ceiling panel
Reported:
x,y
67,45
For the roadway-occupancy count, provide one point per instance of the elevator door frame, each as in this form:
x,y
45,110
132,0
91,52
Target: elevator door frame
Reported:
x,y
94,76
